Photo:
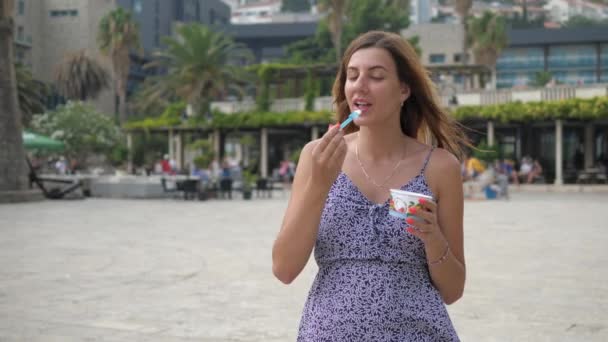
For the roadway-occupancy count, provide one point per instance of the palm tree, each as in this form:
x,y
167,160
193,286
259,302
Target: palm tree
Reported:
x,y
118,35
488,37
153,96
337,10
462,7
32,94
80,77
13,175
198,64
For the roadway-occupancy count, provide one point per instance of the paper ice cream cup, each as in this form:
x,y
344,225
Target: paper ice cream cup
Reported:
x,y
401,201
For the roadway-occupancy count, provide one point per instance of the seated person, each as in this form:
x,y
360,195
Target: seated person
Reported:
x,y
474,168
530,169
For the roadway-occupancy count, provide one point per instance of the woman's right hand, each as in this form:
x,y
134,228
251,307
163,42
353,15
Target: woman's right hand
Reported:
x,y
328,156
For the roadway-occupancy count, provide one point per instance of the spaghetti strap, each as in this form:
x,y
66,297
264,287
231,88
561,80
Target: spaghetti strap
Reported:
x,y
426,161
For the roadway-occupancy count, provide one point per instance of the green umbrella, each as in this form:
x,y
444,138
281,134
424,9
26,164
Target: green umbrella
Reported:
x,y
33,141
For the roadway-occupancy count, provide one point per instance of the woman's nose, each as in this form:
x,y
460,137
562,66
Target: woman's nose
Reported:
x,y
361,84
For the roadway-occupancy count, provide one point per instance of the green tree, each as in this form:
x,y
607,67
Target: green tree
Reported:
x,y
462,8
367,15
152,97
118,35
487,37
336,12
295,6
13,174
199,65
316,49
541,79
32,94
80,77
359,17
83,130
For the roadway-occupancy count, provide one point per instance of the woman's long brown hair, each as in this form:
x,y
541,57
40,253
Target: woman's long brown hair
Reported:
x,y
422,117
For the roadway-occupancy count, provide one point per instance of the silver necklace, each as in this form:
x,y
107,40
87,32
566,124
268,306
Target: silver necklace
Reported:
x,y
382,185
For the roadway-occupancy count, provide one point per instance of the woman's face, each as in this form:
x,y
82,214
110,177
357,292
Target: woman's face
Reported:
x,y
372,86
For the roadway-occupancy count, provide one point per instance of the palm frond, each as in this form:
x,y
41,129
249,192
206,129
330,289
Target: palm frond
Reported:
x,y
80,77
32,94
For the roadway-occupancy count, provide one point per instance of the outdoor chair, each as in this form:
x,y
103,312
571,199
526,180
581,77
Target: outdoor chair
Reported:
x,y
263,186
189,187
226,188
54,192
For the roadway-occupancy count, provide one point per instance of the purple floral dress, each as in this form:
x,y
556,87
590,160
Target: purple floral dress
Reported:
x,y
373,282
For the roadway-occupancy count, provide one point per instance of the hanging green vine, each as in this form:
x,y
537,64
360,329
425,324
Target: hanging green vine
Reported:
x,y
574,109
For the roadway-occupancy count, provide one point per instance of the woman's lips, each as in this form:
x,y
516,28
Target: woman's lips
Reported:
x,y
363,107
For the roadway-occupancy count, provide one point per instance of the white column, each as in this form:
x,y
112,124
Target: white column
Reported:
x,y
171,145
130,152
264,152
179,150
518,144
189,110
558,152
216,143
589,145
238,151
490,133
314,135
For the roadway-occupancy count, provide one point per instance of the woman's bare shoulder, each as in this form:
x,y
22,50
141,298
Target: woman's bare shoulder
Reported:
x,y
443,170
443,159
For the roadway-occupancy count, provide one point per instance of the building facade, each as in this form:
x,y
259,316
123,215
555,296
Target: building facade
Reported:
x,y
27,32
421,11
562,10
268,41
571,56
157,18
47,30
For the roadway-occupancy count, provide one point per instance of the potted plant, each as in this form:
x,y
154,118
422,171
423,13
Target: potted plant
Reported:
x,y
249,180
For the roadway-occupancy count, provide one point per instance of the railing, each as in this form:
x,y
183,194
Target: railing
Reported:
x,y
468,98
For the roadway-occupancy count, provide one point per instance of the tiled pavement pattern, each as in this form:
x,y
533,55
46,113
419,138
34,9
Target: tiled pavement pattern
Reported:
x,y
171,270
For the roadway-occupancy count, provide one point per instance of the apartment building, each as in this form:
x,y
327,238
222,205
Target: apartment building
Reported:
x,y
562,10
47,30
572,56
157,18
27,30
257,12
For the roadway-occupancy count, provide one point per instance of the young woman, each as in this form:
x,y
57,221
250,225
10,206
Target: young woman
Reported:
x,y
380,278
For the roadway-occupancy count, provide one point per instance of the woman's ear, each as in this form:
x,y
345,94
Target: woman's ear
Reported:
x,y
405,92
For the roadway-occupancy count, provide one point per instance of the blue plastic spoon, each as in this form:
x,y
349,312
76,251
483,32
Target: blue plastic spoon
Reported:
x,y
352,116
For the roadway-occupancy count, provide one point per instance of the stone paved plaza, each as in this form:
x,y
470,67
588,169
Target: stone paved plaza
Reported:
x,y
170,270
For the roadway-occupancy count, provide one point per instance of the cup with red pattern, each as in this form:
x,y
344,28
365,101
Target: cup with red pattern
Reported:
x,y
401,201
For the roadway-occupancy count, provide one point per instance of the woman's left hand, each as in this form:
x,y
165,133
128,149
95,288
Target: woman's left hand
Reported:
x,y
425,227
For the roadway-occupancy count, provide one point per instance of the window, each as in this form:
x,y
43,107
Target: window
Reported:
x,y
20,35
63,13
458,57
137,7
20,55
21,7
437,58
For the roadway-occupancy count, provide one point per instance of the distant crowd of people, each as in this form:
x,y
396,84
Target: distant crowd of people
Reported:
x,y
478,177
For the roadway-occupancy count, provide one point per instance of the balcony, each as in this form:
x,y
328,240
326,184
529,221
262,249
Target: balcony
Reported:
x,y
463,98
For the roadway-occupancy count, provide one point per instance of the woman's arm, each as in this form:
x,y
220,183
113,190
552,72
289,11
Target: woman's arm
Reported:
x,y
443,236
319,165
